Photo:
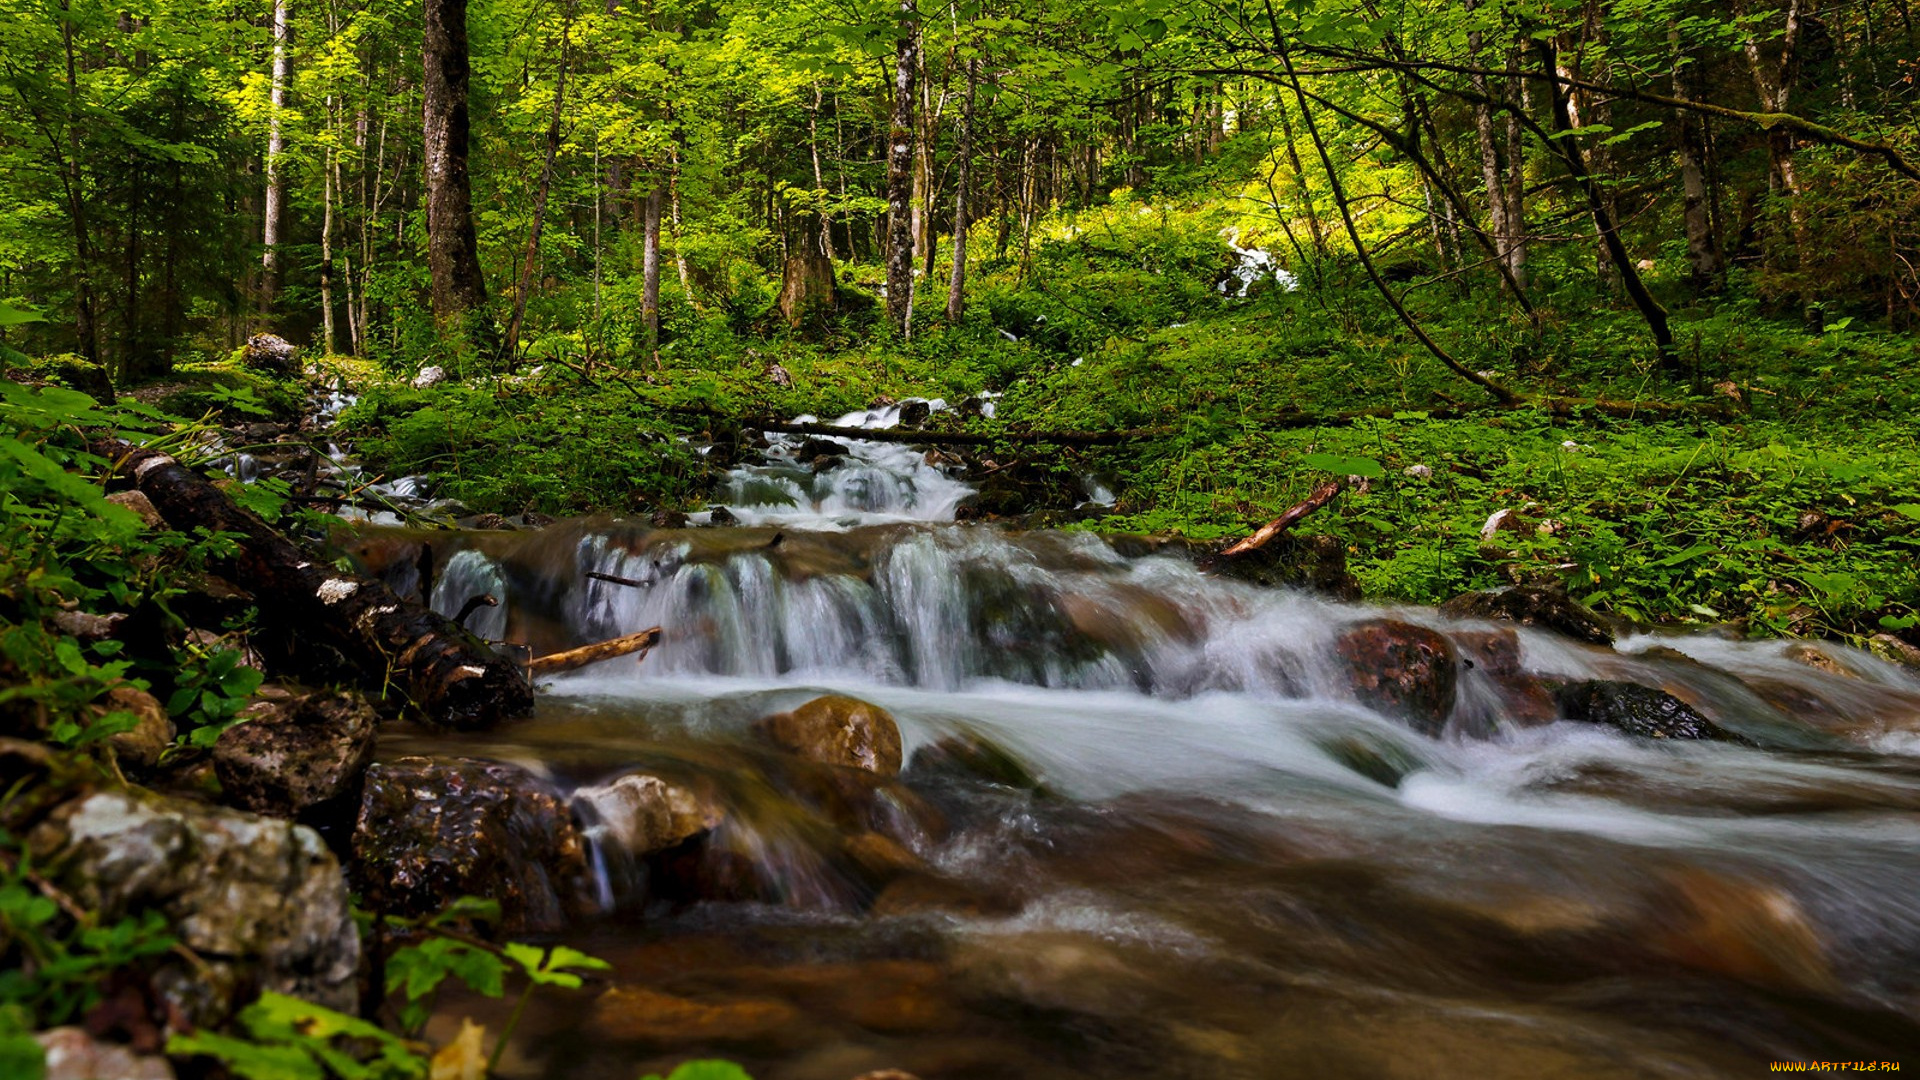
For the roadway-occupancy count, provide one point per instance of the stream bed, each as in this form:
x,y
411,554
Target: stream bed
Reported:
x,y
1152,822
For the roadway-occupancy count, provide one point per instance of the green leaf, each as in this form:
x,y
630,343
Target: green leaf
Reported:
x,y
704,1070
1344,466
1687,555
1907,510
253,1061
14,316
20,1055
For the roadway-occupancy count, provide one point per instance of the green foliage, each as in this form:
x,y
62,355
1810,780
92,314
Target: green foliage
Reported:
x,y
55,963
290,1039
209,696
703,1070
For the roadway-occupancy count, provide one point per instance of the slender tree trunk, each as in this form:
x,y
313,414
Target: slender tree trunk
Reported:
x,y
530,261
1704,262
819,178
957,284
923,160
900,173
650,272
86,313
1774,83
679,253
453,250
327,338
1499,217
1301,188
1570,153
276,182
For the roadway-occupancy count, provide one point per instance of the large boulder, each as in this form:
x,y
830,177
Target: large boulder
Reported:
x,y
1637,710
296,752
1533,605
271,353
261,903
1405,670
837,730
431,831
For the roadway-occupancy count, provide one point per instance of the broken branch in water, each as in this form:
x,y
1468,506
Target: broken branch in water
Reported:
x,y
1265,534
615,579
474,603
553,663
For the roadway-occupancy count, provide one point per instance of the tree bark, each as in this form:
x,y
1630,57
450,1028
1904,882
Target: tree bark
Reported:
x,y
650,274
1499,217
453,250
1705,265
900,173
326,255
1774,83
276,182
555,663
320,619
957,283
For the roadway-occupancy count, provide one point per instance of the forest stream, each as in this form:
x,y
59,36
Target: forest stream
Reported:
x,y
1153,822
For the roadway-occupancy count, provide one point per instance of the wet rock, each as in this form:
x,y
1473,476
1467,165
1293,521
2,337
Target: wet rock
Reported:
x,y
837,730
1495,655
1807,654
967,758
487,522
296,753
139,748
819,448
430,376
261,902
914,413
1383,762
640,1014
1636,710
142,506
1748,930
72,1054
668,519
722,516
1402,669
1533,605
271,353
431,831
920,894
534,519
1894,650
643,814
881,858
1304,561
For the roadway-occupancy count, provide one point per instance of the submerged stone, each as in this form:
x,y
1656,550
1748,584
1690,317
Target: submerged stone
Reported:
x,y
642,814
965,757
1636,710
837,730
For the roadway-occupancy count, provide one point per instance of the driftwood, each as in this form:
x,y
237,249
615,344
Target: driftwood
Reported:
x,y
554,663
1265,534
322,622
615,579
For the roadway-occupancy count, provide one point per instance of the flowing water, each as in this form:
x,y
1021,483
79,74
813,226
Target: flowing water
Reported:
x,y
1218,862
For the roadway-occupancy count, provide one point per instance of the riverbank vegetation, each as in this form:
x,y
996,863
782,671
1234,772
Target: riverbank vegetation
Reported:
x,y
1619,298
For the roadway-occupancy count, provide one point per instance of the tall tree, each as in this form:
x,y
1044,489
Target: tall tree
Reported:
x,y
453,250
900,141
276,169
957,285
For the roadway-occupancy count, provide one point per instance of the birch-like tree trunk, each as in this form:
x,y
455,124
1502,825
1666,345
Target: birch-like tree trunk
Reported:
x,y
900,173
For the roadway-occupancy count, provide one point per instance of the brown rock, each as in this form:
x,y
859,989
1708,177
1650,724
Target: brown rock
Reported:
x,y
296,752
1495,654
141,747
881,857
639,1014
1893,650
432,831
837,730
1810,655
88,627
1403,669
643,814
1533,605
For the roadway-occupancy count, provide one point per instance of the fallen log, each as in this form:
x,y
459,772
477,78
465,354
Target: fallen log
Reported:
x,y
961,438
554,663
1265,534
324,623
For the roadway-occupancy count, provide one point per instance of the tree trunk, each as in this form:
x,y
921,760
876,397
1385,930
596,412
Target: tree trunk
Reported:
x,y
453,251
957,284
1569,151
900,173
321,620
679,253
1774,83
326,255
819,178
1499,217
1705,265
1305,193
276,182
530,261
650,273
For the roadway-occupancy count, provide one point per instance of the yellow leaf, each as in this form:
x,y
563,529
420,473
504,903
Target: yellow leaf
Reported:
x,y
463,1058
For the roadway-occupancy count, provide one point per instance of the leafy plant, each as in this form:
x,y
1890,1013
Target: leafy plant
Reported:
x,y
290,1039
